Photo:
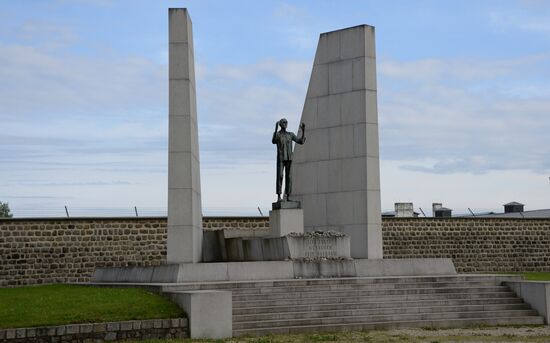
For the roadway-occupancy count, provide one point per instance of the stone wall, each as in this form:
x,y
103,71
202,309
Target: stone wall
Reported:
x,y
476,245
34,251
99,332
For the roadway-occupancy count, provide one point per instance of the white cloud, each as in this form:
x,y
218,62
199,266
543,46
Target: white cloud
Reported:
x,y
470,116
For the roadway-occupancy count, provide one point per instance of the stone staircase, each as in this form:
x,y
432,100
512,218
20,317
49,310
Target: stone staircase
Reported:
x,y
306,305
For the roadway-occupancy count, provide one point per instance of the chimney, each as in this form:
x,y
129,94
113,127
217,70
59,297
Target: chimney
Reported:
x,y
438,211
404,209
513,207
436,206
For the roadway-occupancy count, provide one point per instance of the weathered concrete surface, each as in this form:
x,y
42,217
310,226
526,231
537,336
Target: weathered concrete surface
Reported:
x,y
184,243
534,293
285,221
336,173
285,248
272,270
209,312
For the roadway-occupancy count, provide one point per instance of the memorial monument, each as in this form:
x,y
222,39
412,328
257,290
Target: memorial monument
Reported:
x,y
331,184
337,175
332,181
184,243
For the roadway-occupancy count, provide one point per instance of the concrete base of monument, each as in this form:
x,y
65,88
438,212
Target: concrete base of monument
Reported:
x,y
275,270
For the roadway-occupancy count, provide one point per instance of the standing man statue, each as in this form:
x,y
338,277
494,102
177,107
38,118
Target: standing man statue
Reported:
x,y
284,140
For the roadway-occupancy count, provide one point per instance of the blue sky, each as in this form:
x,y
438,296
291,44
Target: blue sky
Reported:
x,y
463,87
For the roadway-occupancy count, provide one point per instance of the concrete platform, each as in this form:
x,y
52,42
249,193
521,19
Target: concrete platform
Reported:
x,y
270,270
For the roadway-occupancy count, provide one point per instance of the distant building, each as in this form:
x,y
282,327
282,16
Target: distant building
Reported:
x,y
402,210
514,210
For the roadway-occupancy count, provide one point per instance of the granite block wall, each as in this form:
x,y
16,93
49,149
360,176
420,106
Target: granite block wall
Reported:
x,y
35,251
476,245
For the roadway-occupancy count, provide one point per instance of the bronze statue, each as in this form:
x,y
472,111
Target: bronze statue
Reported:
x,y
284,140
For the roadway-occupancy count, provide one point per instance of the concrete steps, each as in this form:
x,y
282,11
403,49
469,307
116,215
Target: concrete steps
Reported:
x,y
289,306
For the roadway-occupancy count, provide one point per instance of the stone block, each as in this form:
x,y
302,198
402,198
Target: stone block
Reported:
x,y
265,270
213,246
358,232
352,42
372,148
359,207
178,68
202,272
356,180
306,175
20,333
180,132
252,250
179,245
148,324
340,76
328,111
86,328
307,246
309,114
371,106
534,293
318,84
179,31
100,327
274,249
209,313
372,177
354,106
285,221
180,176
31,332
339,208
113,326
72,329
234,249
110,336
329,48
10,334
341,143
316,206
181,93
318,140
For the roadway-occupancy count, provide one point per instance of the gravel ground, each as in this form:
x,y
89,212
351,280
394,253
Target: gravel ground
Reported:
x,y
527,334
535,331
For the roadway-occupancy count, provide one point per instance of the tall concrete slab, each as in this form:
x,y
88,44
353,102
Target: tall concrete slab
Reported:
x,y
336,174
184,243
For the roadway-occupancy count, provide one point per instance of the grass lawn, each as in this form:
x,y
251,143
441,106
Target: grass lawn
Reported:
x,y
64,304
537,276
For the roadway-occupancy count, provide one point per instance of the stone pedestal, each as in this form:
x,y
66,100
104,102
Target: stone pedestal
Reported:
x,y
284,221
209,312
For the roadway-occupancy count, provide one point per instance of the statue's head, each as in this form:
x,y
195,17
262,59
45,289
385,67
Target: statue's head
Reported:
x,y
283,123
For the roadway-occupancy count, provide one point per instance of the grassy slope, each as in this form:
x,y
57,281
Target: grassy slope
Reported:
x,y
63,304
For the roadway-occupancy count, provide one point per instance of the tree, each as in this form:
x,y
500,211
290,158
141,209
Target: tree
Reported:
x,y
5,210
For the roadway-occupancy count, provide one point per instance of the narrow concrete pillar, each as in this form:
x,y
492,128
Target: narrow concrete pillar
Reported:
x,y
184,186
336,172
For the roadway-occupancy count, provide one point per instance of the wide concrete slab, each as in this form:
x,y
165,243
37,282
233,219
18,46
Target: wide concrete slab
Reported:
x,y
275,270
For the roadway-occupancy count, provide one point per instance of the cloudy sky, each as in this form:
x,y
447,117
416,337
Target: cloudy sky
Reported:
x,y
463,86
